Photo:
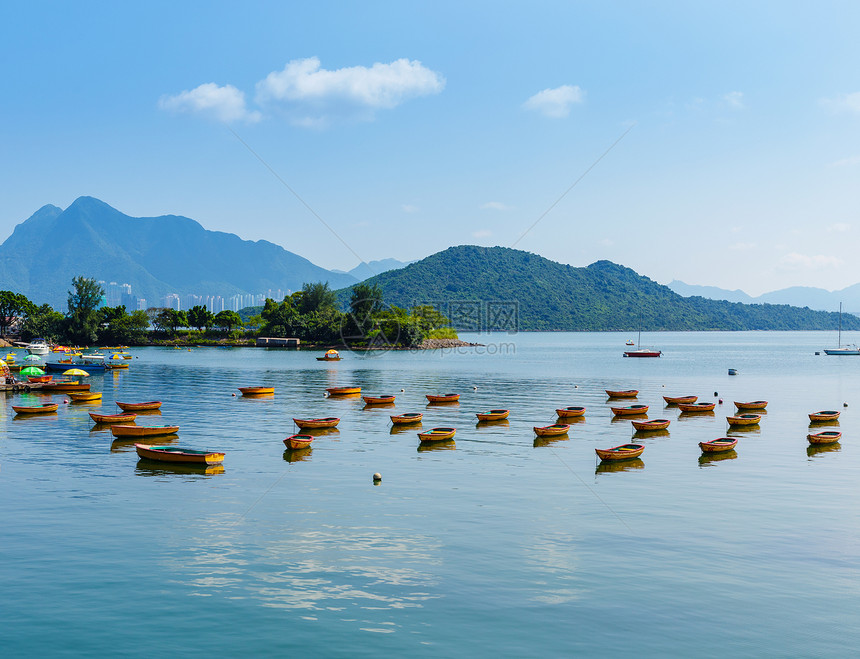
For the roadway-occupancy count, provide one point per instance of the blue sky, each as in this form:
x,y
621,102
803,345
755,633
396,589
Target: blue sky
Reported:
x,y
411,127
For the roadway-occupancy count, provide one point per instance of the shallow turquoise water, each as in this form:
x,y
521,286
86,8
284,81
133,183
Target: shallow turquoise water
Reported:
x,y
502,546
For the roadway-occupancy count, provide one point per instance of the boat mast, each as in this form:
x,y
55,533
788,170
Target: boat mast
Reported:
x,y
839,335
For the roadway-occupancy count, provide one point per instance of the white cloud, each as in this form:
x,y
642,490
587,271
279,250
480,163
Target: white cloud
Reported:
x,y
839,227
495,206
742,247
843,102
846,162
555,103
482,233
382,86
735,100
795,261
606,242
225,103
409,208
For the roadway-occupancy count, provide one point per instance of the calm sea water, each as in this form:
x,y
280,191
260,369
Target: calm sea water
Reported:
x,y
496,545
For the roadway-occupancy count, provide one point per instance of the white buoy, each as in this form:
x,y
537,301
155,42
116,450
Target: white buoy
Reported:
x,y
377,477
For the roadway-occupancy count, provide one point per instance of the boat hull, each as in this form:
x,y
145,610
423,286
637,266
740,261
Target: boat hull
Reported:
x,y
65,387
552,431
570,412
298,442
378,400
47,408
139,407
678,400
328,422
718,445
405,419
85,396
656,424
751,405
693,408
343,391
628,393
112,418
827,437
642,353
630,410
493,415
120,430
744,420
177,455
824,415
443,398
256,391
623,452
437,435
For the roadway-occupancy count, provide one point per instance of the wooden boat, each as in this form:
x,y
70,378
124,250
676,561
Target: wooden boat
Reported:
x,y
326,422
330,356
112,418
176,454
826,437
622,452
629,410
696,407
628,393
824,415
89,367
719,445
256,391
553,430
848,350
677,400
443,398
651,424
437,434
39,378
85,396
343,391
570,412
115,366
493,415
744,419
121,430
752,405
298,442
139,407
65,387
45,408
408,417
378,400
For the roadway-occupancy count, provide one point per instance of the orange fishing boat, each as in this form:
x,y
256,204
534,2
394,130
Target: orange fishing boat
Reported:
x,y
437,434
408,417
623,452
826,437
45,408
629,410
39,378
752,405
570,412
297,442
824,415
343,391
256,391
744,419
112,418
692,408
139,407
64,387
443,398
552,430
627,393
325,422
330,356
175,454
85,396
719,445
493,415
675,400
120,430
651,424
378,400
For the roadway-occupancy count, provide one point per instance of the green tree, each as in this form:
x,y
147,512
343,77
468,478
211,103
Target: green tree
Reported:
x,y
43,322
117,326
169,320
365,304
200,317
227,320
12,305
315,297
83,302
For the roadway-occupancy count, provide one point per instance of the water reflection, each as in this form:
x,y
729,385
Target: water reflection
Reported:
x,y
444,403
445,445
743,431
146,412
126,444
298,454
816,449
499,423
706,459
651,434
319,432
613,466
627,418
690,416
540,442
571,421
152,468
404,429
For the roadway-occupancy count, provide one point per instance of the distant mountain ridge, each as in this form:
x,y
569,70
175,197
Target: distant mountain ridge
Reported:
x,y
477,287
797,296
156,255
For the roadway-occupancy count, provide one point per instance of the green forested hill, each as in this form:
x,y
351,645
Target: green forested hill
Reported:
x,y
482,285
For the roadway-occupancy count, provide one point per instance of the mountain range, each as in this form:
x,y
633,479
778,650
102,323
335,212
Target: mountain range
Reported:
x,y
157,256
798,296
499,288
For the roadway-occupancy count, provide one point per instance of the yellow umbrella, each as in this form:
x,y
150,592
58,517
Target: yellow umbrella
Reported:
x,y
76,372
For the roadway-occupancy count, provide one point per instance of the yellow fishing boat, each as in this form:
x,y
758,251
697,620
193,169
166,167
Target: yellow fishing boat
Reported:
x,y
343,391
630,410
692,408
623,452
719,445
552,430
752,405
84,397
120,430
493,415
112,418
407,418
675,400
824,415
443,398
826,437
437,434
256,391
45,408
326,422
625,393
744,419
378,400
570,412
651,424
298,442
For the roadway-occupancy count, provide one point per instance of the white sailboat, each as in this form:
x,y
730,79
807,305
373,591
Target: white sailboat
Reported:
x,y
640,351
849,349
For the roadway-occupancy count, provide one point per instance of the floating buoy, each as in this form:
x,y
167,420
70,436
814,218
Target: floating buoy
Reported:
x,y
475,387
817,353
65,402
716,394
721,400
233,394
402,390
377,477
844,404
